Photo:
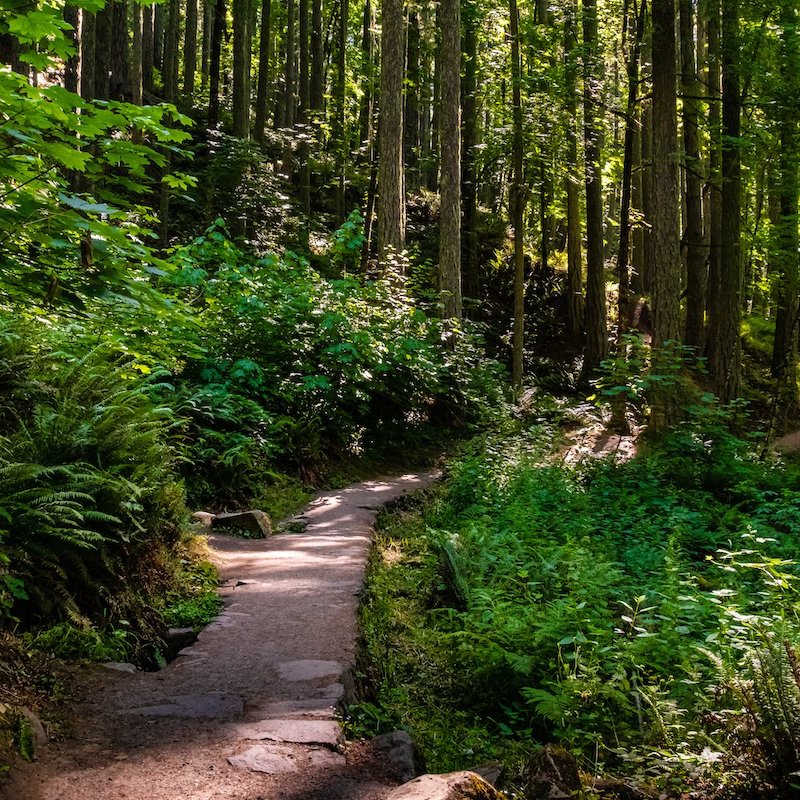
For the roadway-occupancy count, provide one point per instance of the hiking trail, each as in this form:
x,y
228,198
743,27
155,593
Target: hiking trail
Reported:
x,y
249,710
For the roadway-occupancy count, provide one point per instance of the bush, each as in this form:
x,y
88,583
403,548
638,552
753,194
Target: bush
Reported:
x,y
617,608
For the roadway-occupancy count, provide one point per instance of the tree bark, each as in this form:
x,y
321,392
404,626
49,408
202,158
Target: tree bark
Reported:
x,y
572,181
290,72
241,68
208,34
190,47
317,54
262,90
595,314
171,36
714,171
102,52
637,20
450,159
469,190
365,112
517,203
785,239
412,102
216,55
725,353
304,173
340,137
88,66
666,214
147,48
391,179
72,64
433,162
137,77
696,275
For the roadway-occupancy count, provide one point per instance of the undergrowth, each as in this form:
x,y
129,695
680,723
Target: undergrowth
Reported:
x,y
642,614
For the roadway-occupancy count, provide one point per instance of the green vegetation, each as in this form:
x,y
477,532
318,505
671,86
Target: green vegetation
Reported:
x,y
644,614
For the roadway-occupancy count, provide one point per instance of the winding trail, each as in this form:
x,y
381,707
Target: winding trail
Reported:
x,y
248,712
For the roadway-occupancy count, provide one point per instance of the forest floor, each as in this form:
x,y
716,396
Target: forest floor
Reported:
x,y
250,710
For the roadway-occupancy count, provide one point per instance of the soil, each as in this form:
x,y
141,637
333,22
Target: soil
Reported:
x,y
250,710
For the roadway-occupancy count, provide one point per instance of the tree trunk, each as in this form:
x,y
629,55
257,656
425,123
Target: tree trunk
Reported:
x,y
666,215
367,83
158,36
714,173
637,21
289,75
450,159
412,102
572,181
120,85
88,66
102,52
596,332
262,91
208,34
340,121
469,132
147,48
216,55
696,277
304,173
171,37
785,240
241,68
72,64
517,203
137,78
433,164
190,48
317,94
725,353
391,180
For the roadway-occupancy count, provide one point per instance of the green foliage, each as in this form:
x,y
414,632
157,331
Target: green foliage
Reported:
x,y
90,643
76,181
298,368
86,476
577,603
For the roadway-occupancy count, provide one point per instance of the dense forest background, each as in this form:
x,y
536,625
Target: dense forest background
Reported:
x,y
244,246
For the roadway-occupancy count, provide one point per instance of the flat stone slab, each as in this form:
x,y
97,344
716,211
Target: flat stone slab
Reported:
x,y
264,759
309,670
293,731
279,759
214,705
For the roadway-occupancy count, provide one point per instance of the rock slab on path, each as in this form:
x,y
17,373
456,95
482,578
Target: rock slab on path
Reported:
x,y
248,711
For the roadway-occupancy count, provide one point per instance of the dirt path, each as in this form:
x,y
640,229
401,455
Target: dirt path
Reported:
x,y
248,711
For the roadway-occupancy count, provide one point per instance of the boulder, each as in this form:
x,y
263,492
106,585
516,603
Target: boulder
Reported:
x,y
491,772
403,754
255,522
453,786
203,517
552,775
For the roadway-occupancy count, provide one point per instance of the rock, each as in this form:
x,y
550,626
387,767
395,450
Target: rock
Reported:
x,y
295,731
40,737
453,786
256,522
403,754
203,517
120,666
552,775
491,772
